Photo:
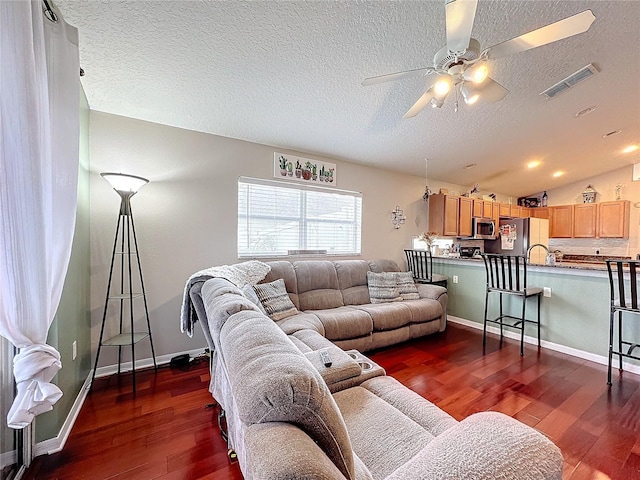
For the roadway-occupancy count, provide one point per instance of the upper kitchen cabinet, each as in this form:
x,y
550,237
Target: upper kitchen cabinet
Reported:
x,y
482,208
585,220
539,212
613,219
561,221
444,214
465,206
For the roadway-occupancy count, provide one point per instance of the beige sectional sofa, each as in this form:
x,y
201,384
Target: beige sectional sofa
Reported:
x,y
333,298
290,416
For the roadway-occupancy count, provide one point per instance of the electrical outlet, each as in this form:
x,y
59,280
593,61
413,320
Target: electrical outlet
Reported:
x,y
455,279
74,350
547,291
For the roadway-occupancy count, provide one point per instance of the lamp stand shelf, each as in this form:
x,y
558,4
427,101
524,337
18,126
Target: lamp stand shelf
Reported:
x,y
126,298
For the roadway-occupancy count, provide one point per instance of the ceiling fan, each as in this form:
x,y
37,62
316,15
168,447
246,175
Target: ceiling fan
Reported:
x,y
461,64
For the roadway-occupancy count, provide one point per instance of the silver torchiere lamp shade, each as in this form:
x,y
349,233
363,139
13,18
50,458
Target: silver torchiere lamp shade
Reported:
x,y
122,293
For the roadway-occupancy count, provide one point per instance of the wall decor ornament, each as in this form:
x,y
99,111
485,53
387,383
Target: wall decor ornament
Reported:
x,y
304,170
397,217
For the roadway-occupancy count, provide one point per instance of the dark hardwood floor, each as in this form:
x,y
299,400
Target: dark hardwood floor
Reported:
x,y
165,431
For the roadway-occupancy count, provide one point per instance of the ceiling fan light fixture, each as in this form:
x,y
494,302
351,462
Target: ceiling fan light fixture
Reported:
x,y
477,73
437,102
469,94
442,85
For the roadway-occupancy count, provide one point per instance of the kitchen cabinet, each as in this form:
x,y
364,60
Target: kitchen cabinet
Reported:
x,y
561,221
444,214
505,209
585,220
516,211
539,212
465,214
525,212
482,208
613,219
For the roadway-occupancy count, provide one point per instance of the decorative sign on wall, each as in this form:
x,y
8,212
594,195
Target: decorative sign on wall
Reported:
x,y
301,169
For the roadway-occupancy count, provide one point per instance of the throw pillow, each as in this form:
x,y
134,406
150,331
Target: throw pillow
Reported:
x,y
275,299
250,293
406,286
383,287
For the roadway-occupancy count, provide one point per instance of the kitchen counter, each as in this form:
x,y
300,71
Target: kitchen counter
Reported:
x,y
596,268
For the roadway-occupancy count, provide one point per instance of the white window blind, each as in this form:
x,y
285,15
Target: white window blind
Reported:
x,y
279,218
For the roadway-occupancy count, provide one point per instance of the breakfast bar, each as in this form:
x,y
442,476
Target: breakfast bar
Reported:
x,y
575,318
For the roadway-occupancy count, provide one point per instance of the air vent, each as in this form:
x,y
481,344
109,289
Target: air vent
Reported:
x,y
571,81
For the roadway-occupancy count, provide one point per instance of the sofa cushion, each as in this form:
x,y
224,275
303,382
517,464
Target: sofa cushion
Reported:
x,y
382,436
387,316
344,323
318,287
301,321
383,265
423,310
383,287
284,269
275,300
352,280
406,286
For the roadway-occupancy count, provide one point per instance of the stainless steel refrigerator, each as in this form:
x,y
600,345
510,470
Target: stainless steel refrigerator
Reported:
x,y
516,235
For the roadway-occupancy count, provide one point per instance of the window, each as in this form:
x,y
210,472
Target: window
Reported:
x,y
279,218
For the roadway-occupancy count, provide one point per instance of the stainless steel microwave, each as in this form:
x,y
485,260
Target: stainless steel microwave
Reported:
x,y
484,228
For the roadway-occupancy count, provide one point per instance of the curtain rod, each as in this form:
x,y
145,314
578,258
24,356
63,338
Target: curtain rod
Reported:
x,y
49,13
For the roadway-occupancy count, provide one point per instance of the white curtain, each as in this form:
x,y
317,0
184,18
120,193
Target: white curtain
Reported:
x,y
39,125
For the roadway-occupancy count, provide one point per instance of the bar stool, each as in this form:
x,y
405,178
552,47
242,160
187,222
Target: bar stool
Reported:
x,y
507,275
623,287
420,264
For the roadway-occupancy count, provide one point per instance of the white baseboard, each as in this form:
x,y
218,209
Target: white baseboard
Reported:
x,y
556,347
53,445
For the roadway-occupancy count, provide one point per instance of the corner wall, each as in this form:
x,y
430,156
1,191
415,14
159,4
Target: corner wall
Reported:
x,y
73,316
186,217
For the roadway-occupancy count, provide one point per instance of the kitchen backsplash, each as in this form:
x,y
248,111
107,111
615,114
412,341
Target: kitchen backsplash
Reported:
x,y
591,246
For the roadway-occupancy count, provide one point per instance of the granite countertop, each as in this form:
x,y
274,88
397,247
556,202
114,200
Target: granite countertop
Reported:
x,y
583,262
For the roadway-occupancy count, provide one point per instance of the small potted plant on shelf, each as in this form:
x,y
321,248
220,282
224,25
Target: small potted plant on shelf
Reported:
x,y
428,238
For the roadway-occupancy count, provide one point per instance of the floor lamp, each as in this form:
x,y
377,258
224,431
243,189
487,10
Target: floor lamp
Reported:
x,y
126,186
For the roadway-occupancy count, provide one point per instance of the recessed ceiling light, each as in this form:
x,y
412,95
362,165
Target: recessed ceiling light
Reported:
x,y
534,164
611,134
630,148
469,166
557,174
585,111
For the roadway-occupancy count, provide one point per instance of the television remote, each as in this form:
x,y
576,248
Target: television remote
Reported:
x,y
326,359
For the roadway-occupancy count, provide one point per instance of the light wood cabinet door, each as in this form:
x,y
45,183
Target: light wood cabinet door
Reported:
x,y
505,210
585,220
539,212
443,215
487,209
613,219
465,216
478,208
516,211
561,221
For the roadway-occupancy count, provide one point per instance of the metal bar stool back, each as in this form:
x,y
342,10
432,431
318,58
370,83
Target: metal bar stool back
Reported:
x,y
623,288
507,275
420,264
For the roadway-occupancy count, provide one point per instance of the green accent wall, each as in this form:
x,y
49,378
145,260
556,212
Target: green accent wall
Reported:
x,y
576,315
73,318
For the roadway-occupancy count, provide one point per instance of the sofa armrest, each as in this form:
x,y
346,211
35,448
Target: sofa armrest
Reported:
x,y
279,451
485,446
342,365
436,292
430,291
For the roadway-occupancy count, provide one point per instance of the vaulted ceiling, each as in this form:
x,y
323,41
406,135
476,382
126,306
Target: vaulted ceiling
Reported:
x,y
289,73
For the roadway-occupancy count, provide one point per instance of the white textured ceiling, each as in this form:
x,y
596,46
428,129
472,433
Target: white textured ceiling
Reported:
x,y
288,74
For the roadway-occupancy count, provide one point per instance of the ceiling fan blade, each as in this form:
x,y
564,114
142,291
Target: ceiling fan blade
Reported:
x,y
422,102
491,91
418,72
553,32
460,15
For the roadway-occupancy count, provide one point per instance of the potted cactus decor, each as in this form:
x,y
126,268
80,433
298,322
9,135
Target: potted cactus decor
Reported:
x,y
314,170
298,169
283,165
290,169
306,171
